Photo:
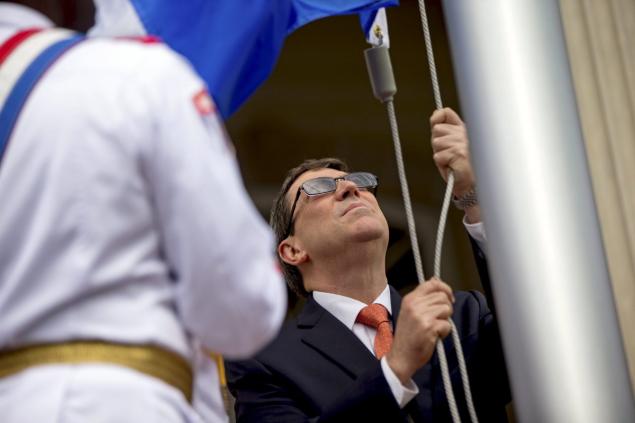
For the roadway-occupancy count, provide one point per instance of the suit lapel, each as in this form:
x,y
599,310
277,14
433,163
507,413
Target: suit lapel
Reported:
x,y
395,304
326,334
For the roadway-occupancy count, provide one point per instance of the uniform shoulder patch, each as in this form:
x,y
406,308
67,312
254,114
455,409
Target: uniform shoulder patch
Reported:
x,y
206,109
203,103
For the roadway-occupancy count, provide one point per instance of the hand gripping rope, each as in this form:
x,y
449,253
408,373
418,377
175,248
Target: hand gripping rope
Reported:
x,y
384,89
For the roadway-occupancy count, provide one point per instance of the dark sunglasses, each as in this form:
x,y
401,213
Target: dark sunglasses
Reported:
x,y
325,185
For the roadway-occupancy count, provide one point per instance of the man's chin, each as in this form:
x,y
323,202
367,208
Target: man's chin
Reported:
x,y
368,232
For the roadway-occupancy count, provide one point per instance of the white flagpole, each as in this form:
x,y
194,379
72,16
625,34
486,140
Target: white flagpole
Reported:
x,y
551,283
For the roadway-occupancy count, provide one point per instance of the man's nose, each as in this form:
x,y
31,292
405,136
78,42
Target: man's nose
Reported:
x,y
346,188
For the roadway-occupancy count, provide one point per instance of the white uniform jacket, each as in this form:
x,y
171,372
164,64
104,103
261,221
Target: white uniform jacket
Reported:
x,y
123,217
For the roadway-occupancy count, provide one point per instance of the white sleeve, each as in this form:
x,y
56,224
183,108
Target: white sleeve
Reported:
x,y
477,232
230,293
402,393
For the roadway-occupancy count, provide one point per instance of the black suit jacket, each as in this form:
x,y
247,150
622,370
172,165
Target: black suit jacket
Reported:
x,y
318,370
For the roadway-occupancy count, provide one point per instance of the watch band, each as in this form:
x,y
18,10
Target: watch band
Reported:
x,y
465,201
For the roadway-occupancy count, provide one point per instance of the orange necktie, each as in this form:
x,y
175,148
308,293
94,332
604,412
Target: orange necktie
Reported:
x,y
376,316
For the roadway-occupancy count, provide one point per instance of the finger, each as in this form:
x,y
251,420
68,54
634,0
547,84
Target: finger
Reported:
x,y
444,158
445,115
455,158
442,328
449,156
452,117
428,308
443,299
433,299
442,286
441,129
438,116
436,312
435,285
449,141
443,311
430,285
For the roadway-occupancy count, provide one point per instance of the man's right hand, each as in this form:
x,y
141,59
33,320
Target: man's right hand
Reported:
x,y
423,319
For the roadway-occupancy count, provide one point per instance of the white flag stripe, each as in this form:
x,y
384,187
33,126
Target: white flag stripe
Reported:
x,y
23,56
378,34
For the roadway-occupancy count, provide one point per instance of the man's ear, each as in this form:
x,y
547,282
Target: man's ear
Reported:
x,y
291,253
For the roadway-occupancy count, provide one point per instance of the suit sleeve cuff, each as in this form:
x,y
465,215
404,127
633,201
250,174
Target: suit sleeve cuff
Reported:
x,y
402,393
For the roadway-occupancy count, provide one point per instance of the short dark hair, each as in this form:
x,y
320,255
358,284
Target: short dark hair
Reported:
x,y
280,214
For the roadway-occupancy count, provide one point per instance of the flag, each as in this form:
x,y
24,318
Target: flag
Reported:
x,y
232,44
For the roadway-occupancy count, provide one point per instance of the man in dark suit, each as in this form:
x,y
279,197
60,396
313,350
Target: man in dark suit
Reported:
x,y
334,362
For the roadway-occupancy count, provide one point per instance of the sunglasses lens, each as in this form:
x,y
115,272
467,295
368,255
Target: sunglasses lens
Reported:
x,y
325,185
319,186
363,179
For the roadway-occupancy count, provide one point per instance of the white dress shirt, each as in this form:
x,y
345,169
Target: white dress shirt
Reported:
x,y
124,217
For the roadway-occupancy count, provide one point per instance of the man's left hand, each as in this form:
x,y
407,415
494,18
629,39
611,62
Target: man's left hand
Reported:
x,y
451,149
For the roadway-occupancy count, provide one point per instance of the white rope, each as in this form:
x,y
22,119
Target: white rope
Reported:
x,y
386,97
439,246
405,192
430,54
467,390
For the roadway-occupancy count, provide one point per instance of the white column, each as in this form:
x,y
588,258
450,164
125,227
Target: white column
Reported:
x,y
599,37
551,284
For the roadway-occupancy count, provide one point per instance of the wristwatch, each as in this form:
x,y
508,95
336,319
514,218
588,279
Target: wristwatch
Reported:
x,y
465,201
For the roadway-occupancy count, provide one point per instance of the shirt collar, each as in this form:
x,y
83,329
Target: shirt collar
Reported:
x,y
346,309
19,16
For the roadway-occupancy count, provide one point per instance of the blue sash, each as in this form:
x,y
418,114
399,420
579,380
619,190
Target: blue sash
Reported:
x,y
25,84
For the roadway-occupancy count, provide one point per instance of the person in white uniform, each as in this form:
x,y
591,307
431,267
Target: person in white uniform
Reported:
x,y
128,244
